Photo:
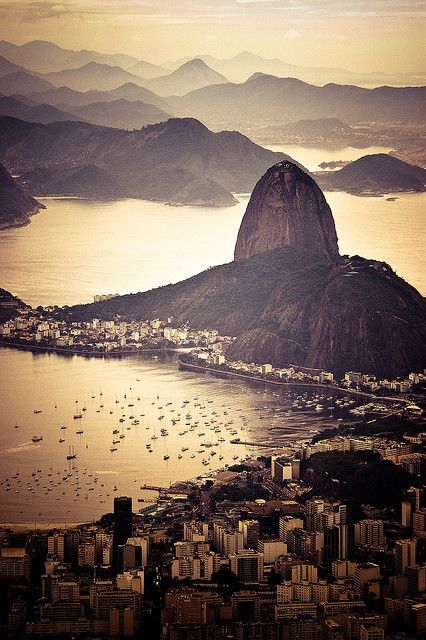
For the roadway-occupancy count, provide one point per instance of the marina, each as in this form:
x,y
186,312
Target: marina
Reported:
x,y
150,425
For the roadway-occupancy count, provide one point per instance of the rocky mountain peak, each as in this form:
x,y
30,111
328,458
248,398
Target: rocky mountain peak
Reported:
x,y
287,208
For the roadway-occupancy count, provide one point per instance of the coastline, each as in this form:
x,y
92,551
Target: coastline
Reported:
x,y
89,352
361,394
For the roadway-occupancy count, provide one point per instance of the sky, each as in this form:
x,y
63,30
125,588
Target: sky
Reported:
x,y
360,35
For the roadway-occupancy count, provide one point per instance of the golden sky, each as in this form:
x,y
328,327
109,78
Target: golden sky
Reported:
x,y
360,35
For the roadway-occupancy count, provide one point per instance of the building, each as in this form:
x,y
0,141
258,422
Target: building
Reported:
x,y
365,573
405,554
336,543
250,530
122,525
369,534
416,579
371,632
247,565
56,546
286,524
132,581
271,549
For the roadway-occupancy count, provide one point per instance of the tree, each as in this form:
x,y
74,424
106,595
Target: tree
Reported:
x,y
227,581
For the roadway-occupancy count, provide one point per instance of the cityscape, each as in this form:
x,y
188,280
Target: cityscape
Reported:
x,y
212,320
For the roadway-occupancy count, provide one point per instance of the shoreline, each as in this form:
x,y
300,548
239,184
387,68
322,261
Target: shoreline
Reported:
x,y
195,367
362,394
88,352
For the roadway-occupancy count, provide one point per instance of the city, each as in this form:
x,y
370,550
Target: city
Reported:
x,y
254,551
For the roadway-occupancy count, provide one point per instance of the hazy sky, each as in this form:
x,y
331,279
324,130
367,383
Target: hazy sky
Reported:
x,y
361,35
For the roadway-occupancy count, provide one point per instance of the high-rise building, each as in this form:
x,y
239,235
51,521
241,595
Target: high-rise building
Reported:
x,y
72,540
251,531
271,549
365,573
406,513
56,546
286,524
405,554
336,543
369,533
416,579
226,540
412,495
122,525
419,522
247,565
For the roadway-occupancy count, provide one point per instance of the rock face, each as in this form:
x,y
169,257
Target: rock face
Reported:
x,y
288,297
287,208
15,206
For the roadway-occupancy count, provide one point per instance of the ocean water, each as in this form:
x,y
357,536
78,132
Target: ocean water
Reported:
x,y
75,249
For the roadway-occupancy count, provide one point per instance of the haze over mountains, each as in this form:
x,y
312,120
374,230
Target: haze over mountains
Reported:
x,y
45,57
159,162
375,174
264,100
243,65
42,56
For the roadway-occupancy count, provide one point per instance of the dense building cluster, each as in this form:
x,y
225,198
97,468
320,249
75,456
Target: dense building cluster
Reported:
x,y
351,380
292,565
41,329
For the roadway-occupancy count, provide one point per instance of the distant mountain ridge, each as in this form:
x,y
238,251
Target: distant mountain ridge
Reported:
x,y
43,56
192,75
160,162
59,96
122,113
271,100
376,173
92,76
43,113
243,65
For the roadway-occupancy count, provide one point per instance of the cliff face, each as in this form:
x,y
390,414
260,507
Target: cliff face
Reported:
x,y
286,208
289,297
15,206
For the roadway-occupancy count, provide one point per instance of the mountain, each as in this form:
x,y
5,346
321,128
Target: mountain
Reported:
x,y
286,208
203,192
122,114
59,96
270,100
88,181
15,206
80,58
377,173
44,57
298,303
37,55
92,76
192,75
33,112
146,69
7,67
22,82
9,305
159,162
240,67
319,127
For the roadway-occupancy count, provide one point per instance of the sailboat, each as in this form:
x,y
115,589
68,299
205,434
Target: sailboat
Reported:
x,y
71,454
